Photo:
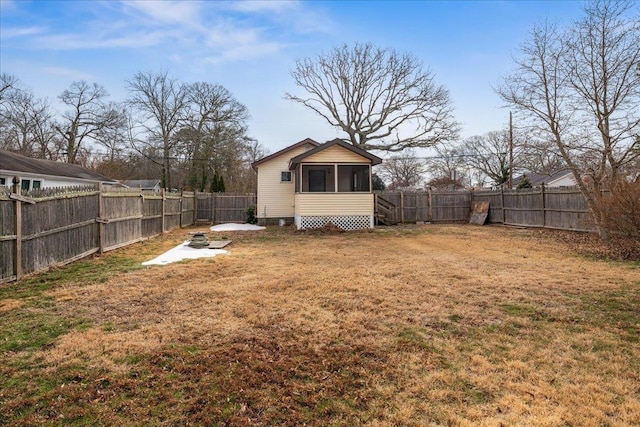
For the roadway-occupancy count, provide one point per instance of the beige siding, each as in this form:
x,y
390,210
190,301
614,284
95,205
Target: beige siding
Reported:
x,y
325,204
275,198
335,154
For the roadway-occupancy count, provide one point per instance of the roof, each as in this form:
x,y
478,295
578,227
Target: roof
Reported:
x,y
537,179
284,150
375,160
12,162
142,183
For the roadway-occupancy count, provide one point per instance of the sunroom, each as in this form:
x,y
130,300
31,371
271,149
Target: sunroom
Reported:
x,y
333,185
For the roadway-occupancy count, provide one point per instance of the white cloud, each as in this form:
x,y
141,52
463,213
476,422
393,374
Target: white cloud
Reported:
x,y
253,6
167,11
137,39
69,73
8,33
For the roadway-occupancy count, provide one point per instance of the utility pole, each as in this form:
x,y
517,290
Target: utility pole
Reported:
x,y
510,150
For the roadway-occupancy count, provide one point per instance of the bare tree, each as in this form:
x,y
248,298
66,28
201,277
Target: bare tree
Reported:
x,y
162,103
402,171
9,85
538,154
381,99
490,154
214,134
23,116
114,138
26,122
87,115
602,62
448,168
581,89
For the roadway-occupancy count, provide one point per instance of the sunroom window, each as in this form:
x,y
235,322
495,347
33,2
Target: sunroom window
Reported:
x,y
322,178
318,179
353,178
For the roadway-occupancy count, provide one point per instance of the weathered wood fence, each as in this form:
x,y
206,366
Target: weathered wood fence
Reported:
x,y
561,208
56,226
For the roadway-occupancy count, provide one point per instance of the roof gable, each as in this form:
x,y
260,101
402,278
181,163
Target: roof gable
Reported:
x,y
17,163
372,158
306,141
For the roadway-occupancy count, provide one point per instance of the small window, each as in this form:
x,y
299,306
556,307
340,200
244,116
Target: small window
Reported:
x,y
25,184
36,185
3,181
285,176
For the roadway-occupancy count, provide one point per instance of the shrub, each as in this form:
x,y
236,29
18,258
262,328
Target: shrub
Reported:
x,y
621,209
251,215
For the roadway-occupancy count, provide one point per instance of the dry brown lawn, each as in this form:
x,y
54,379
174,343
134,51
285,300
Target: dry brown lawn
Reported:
x,y
416,326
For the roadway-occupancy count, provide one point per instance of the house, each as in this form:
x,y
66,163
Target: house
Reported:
x,y
152,185
561,178
311,184
34,174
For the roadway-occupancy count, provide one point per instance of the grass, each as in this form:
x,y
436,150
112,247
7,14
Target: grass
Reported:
x,y
426,325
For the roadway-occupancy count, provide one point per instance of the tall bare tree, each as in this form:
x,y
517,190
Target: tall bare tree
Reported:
x,y
87,115
214,133
24,117
26,122
161,103
381,99
580,88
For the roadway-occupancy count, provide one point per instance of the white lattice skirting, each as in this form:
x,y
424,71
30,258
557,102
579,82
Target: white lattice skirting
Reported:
x,y
350,222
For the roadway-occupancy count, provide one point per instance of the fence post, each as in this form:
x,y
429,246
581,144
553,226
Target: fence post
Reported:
x,y
163,198
17,254
544,207
195,207
213,208
504,211
181,198
430,201
402,207
100,219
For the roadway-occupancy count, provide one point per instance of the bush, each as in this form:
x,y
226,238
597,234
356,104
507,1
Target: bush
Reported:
x,y
621,209
251,215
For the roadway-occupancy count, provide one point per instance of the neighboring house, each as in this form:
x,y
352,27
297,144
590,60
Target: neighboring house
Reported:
x,y
312,184
34,174
562,178
144,184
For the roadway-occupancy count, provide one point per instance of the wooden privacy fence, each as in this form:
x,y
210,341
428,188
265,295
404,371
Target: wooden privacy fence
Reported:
x,y
216,208
56,226
561,208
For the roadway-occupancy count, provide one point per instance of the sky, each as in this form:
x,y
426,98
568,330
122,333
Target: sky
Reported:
x,y
250,48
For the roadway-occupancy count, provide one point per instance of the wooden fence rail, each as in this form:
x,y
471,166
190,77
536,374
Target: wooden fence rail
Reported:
x,y
55,226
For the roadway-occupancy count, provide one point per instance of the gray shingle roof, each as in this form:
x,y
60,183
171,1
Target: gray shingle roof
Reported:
x,y
13,162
